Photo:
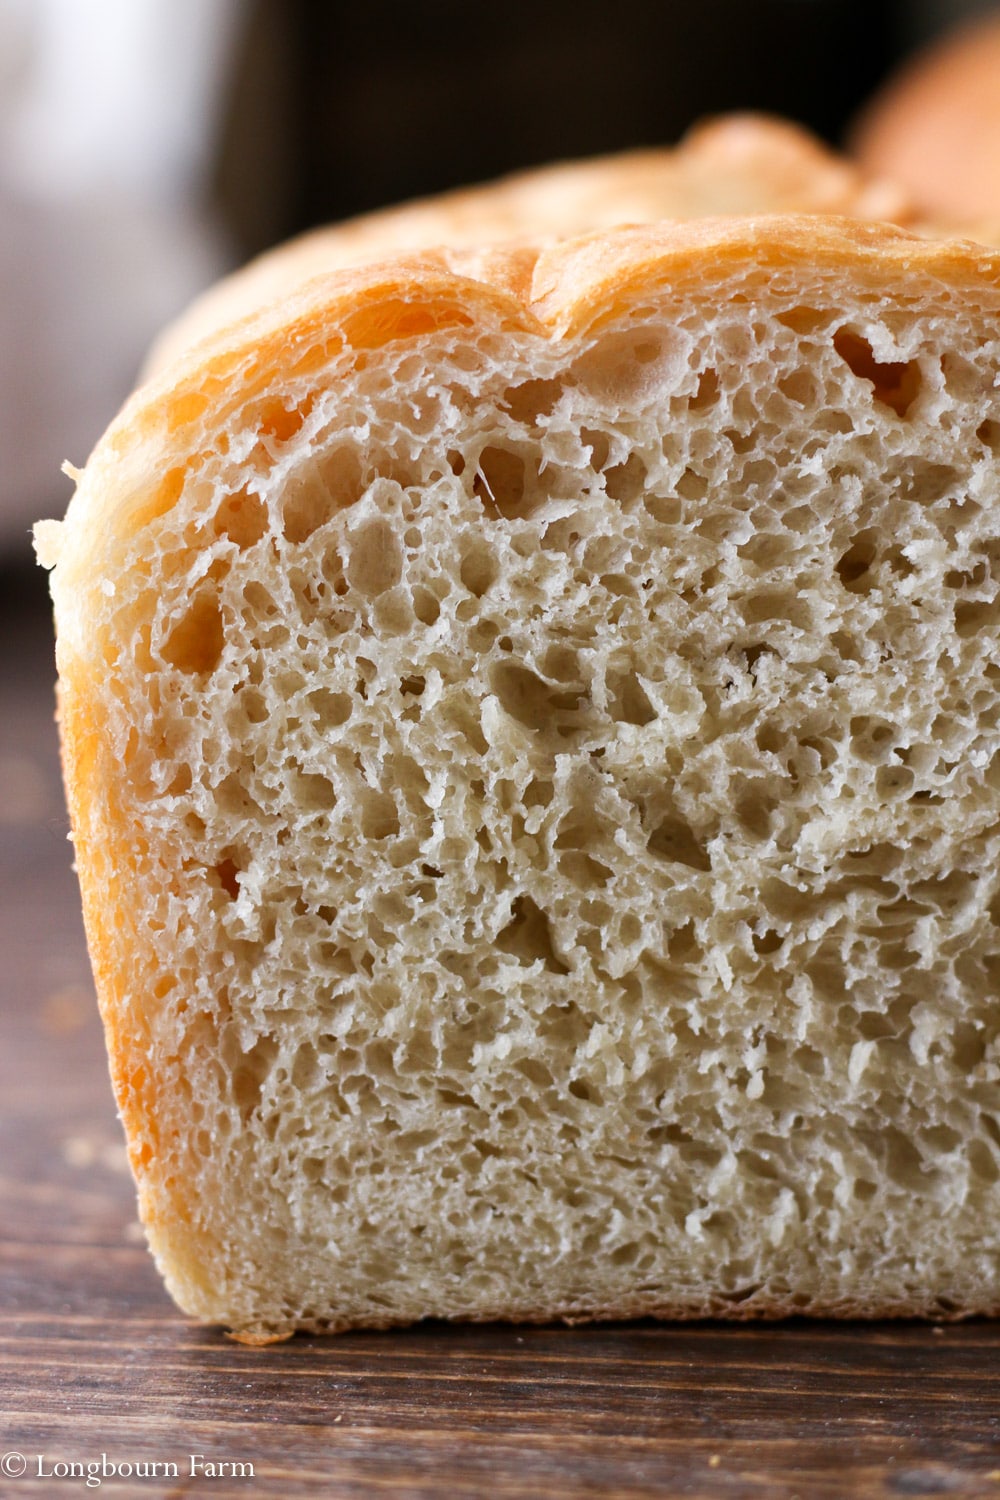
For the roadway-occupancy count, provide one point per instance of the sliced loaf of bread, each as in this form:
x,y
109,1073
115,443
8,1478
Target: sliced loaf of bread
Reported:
x,y
531,725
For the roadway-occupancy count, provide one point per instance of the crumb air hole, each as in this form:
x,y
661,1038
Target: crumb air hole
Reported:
x,y
228,876
242,517
854,567
507,483
674,840
527,936
195,643
896,383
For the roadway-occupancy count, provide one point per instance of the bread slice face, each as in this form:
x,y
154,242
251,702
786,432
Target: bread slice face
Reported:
x,y
530,724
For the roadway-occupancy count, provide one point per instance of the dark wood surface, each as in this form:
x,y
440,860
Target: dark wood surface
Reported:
x,y
95,1361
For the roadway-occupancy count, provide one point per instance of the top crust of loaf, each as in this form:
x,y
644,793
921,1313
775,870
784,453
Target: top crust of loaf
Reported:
x,y
738,164
340,319
555,291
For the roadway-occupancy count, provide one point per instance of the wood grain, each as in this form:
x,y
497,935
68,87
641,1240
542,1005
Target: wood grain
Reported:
x,y
94,1359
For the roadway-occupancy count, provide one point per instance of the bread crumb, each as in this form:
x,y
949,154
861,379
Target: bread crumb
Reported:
x,y
48,535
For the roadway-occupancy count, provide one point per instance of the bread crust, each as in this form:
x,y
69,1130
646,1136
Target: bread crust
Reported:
x,y
737,164
552,291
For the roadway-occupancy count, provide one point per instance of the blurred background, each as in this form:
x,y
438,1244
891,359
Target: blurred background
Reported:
x,y
148,145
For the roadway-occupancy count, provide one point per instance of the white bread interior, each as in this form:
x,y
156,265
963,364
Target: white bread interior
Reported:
x,y
532,744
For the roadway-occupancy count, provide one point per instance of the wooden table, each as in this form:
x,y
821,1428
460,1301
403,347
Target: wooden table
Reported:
x,y
95,1361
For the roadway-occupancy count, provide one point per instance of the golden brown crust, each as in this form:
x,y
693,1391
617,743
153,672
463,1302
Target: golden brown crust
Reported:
x,y
106,843
581,281
543,289
738,164
750,1309
253,1339
547,290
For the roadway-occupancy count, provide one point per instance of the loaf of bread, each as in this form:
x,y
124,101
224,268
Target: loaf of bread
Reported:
x,y
935,127
531,722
